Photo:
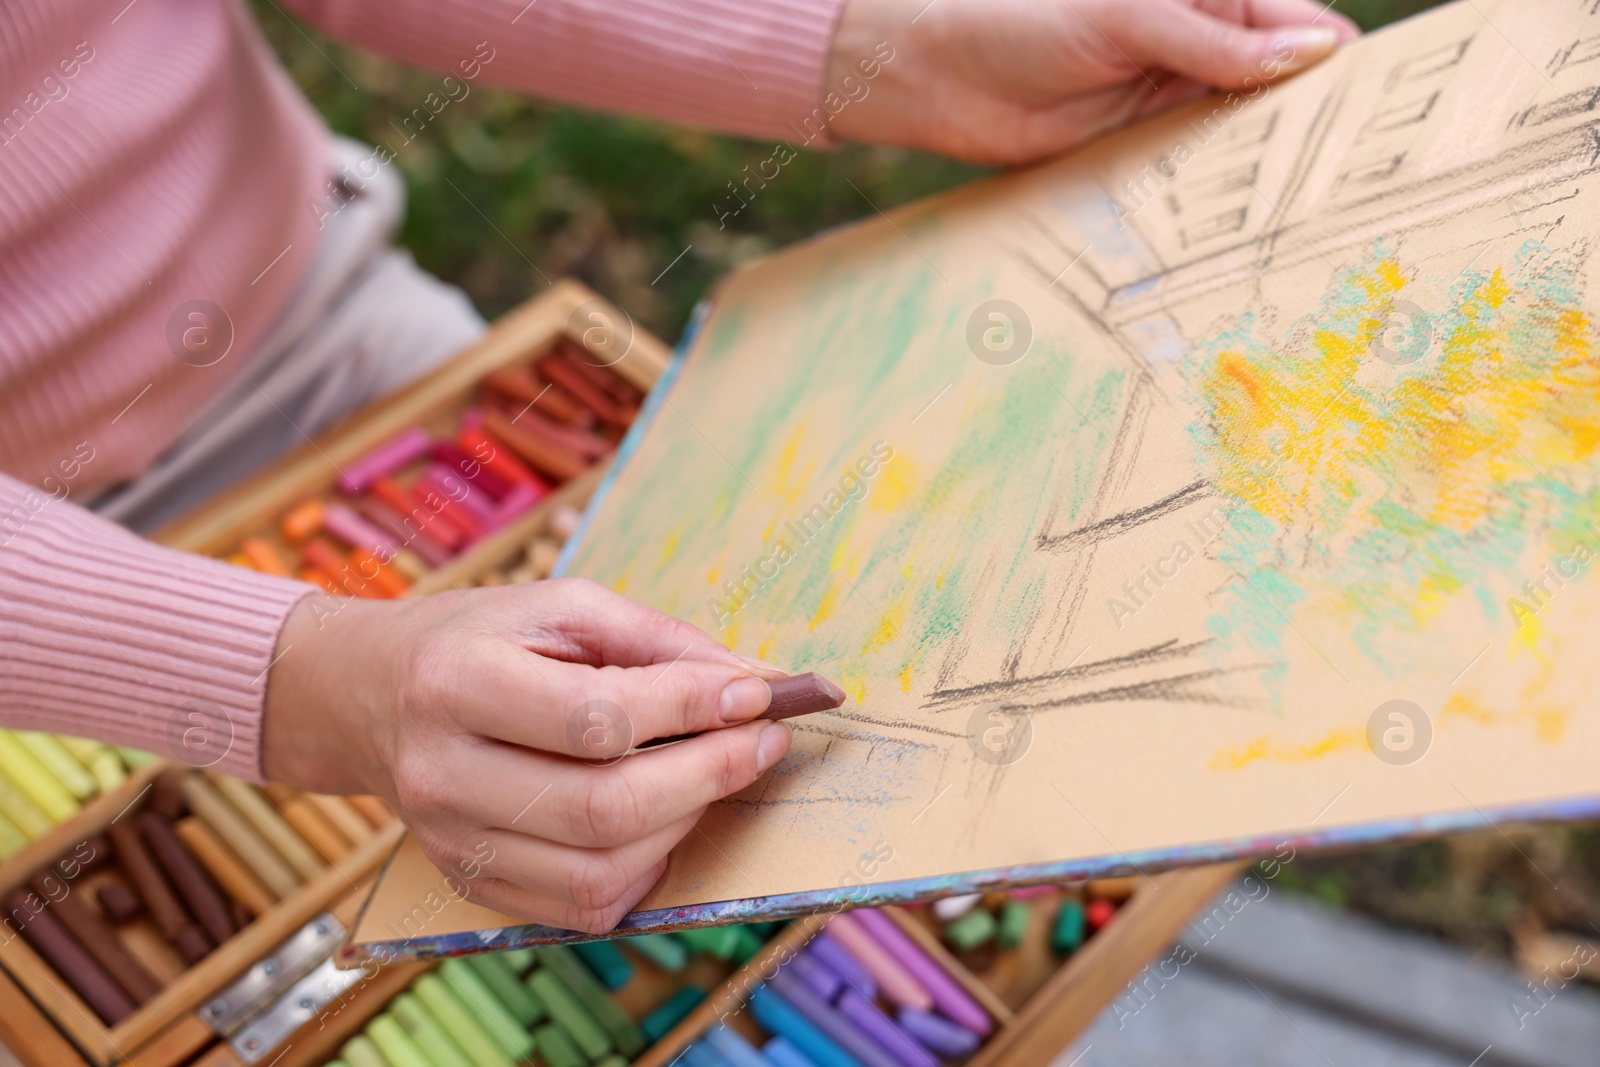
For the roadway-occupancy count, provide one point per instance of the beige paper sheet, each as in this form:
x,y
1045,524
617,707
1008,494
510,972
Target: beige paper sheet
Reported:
x,y
1306,422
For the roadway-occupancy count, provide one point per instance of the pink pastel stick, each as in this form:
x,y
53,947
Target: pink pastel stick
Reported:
x,y
517,502
384,460
947,994
355,531
894,981
475,502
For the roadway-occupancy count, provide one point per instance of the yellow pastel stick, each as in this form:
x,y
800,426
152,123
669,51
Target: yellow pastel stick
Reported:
x,y
101,759
11,838
260,813
134,758
34,779
23,812
61,764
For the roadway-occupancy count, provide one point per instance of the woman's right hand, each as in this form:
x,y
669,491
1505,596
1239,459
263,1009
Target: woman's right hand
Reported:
x,y
495,721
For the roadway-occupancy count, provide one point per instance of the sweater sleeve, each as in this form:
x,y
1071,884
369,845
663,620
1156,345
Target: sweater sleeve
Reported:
x,y
108,636
751,67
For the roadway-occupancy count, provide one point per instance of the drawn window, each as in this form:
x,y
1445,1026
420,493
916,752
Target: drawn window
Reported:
x,y
1216,226
1578,103
1428,63
1400,115
1583,50
1369,173
1227,182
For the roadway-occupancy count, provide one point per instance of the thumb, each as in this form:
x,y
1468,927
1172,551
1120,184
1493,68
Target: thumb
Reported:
x,y
1218,53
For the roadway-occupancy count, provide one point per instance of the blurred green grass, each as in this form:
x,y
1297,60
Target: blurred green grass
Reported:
x,y
609,200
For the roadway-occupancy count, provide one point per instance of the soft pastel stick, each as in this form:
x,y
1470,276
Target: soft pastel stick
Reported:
x,y
567,1010
663,950
938,1035
242,839
263,557
475,473
43,931
782,1019
823,982
460,492
780,1052
302,521
566,964
384,460
11,837
427,523
557,1048
520,960
360,1051
260,813
876,1025
948,996
235,878
826,951
502,980
102,761
496,457
60,762
42,787
606,961
396,1045
18,807
459,1022
734,1050
671,1012
498,1021
432,1038
897,983
520,500
824,1017
309,822
345,818
367,566
405,531
699,1054
357,532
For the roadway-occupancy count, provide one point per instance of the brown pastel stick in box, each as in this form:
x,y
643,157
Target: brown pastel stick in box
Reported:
x,y
193,945
191,880
581,443
521,385
119,902
311,824
145,944
100,941
562,373
339,811
233,876
91,854
544,456
600,376
69,959
170,916
241,915
373,809
259,812
166,796
242,839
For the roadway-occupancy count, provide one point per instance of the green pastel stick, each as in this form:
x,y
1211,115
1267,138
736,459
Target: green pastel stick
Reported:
x,y
556,1047
432,1038
502,980
976,927
1013,924
133,757
566,965
60,763
336,1063
492,1013
568,1010
612,1060
1067,934
607,962
359,1051
519,959
718,942
663,950
671,1012
11,838
459,1022
395,1044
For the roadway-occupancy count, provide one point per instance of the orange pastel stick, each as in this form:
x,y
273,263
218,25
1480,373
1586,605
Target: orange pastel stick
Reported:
x,y
263,557
363,563
301,521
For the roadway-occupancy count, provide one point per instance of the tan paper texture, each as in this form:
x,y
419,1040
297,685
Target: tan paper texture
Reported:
x,y
1125,494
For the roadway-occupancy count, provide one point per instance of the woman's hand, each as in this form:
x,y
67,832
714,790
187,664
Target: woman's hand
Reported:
x,y
495,722
1008,81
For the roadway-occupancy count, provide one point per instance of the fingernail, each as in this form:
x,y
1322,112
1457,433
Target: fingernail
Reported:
x,y
1296,49
744,698
773,744
761,666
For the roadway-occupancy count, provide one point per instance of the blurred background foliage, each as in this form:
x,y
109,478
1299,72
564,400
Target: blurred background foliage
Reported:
x,y
614,201
609,200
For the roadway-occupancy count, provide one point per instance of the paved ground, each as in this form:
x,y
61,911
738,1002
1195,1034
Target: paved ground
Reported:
x,y
1279,981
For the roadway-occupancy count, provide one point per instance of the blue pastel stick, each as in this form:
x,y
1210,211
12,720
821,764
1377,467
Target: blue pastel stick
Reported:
x,y
823,982
937,1034
780,1018
699,1054
734,1049
780,1052
844,1033
833,956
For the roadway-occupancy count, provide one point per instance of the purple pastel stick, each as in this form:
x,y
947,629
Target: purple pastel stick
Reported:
x,y
355,531
832,956
384,460
947,995
938,1035
823,982
820,1013
876,1025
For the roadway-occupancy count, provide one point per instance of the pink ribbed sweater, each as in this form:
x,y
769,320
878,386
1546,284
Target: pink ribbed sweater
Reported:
x,y
153,153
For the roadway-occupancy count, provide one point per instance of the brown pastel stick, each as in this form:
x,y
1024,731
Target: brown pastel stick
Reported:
x,y
100,941
166,796
373,809
259,812
544,456
799,694
234,877
170,916
193,945
145,944
52,941
309,822
241,915
252,850
91,854
191,880
339,811
564,374
581,443
119,902
601,377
